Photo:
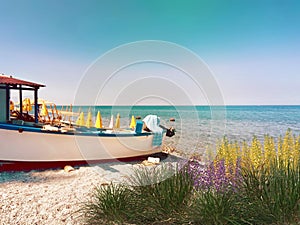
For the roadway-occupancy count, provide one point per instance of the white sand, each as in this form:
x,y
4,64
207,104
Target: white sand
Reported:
x,y
52,196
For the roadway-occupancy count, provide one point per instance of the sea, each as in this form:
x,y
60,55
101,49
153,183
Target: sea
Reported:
x,y
201,127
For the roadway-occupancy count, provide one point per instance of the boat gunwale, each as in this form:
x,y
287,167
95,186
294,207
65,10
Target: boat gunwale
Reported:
x,y
82,132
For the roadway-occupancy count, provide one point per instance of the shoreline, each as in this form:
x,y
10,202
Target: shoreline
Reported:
x,y
53,196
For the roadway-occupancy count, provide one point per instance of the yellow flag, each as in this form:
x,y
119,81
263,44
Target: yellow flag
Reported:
x,y
132,123
117,125
89,122
98,123
44,111
80,120
11,105
26,105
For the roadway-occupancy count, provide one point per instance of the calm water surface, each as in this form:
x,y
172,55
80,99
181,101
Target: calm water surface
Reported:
x,y
200,126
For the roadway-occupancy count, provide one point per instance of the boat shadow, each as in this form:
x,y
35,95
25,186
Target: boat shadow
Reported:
x,y
34,176
112,166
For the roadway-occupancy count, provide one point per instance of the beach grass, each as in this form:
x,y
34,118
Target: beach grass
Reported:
x,y
246,183
164,198
108,205
274,191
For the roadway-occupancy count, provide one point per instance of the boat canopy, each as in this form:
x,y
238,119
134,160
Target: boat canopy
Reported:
x,y
8,83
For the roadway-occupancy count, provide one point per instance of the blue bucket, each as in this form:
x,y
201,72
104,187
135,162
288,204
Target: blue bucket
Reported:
x,y
138,127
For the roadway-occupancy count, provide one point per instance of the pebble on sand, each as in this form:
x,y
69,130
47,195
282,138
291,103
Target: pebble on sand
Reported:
x,y
68,168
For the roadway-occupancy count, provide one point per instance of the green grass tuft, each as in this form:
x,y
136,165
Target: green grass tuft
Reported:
x,y
273,194
108,205
267,191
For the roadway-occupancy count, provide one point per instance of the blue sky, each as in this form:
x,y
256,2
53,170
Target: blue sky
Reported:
x,y
252,47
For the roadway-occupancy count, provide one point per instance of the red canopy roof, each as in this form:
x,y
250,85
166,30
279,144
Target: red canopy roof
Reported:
x,y
13,81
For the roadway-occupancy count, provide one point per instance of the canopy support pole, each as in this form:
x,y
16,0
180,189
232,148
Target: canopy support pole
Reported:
x,y
36,106
21,101
7,102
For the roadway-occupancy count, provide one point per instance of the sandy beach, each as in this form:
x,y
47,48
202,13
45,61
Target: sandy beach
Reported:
x,y
53,196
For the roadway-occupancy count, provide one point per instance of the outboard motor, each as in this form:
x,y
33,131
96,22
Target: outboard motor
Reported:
x,y
170,132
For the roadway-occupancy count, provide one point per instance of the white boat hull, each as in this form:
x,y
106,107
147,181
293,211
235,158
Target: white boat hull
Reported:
x,y
25,146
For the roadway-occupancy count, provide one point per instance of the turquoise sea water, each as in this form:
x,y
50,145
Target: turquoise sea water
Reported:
x,y
200,126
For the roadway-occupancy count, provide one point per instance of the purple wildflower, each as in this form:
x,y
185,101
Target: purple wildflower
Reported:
x,y
238,174
216,176
221,181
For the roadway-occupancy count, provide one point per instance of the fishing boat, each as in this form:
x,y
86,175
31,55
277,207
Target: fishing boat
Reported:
x,y
29,143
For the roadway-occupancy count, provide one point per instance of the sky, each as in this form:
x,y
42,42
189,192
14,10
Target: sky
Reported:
x,y
252,48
